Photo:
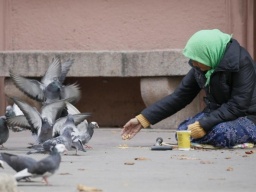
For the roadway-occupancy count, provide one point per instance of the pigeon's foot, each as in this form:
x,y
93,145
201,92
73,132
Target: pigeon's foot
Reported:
x,y
88,146
46,181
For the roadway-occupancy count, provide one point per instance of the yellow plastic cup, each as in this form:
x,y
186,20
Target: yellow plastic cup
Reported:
x,y
183,140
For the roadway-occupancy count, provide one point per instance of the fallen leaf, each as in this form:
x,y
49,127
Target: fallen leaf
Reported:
x,y
129,163
249,152
230,169
141,158
84,188
228,158
64,174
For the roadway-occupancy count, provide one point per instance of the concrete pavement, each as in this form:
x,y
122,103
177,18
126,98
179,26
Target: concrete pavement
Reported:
x,y
112,166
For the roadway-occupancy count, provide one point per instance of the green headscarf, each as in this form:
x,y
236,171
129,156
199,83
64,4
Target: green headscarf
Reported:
x,y
207,47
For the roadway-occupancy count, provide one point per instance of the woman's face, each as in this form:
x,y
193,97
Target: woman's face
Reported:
x,y
200,66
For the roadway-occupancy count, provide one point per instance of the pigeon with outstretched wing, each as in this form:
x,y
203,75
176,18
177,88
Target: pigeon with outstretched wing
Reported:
x,y
40,124
51,87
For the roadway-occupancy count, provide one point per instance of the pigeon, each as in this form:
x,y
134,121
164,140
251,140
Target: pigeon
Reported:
x,y
40,124
4,131
45,167
17,162
50,88
59,124
68,137
12,111
4,126
9,112
86,133
85,129
70,130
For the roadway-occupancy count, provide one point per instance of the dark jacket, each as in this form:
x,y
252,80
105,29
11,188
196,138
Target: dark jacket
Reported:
x,y
230,94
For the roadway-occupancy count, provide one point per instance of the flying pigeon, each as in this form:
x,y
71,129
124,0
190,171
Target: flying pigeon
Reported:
x,y
40,124
68,137
45,167
51,87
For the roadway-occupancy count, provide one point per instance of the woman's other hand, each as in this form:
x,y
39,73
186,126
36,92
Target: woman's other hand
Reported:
x,y
196,130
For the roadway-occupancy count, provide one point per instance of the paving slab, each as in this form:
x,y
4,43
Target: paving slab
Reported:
x,y
105,166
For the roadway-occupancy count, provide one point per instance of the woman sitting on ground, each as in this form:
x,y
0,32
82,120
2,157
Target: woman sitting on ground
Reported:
x,y
227,74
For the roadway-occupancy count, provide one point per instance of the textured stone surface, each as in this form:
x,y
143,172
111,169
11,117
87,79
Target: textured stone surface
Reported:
x,y
95,64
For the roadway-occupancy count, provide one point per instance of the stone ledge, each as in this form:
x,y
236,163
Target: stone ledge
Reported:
x,y
98,63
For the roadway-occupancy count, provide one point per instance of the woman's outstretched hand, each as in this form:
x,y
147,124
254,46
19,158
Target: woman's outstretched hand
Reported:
x,y
131,128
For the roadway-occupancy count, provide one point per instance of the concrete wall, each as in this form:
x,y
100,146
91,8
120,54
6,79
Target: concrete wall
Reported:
x,y
108,25
119,25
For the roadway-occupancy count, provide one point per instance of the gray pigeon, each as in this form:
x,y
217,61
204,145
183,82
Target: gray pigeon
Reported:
x,y
17,162
10,112
86,132
85,129
4,127
4,131
69,130
45,167
59,124
51,87
68,137
40,124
